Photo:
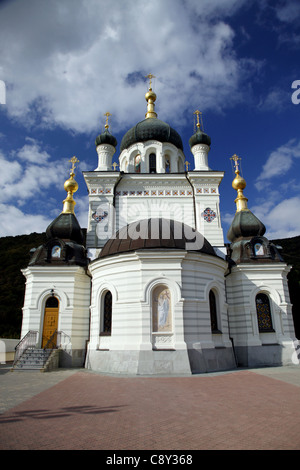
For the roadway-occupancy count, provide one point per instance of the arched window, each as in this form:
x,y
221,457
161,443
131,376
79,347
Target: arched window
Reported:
x,y
152,163
263,311
52,302
213,312
106,314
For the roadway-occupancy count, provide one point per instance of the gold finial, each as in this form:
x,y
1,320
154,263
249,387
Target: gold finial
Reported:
x,y
106,123
115,166
239,185
150,98
199,124
73,161
187,165
150,76
71,187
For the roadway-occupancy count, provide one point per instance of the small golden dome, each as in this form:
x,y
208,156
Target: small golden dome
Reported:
x,y
71,185
150,95
238,182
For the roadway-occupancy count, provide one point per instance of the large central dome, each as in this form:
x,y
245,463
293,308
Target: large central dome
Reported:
x,y
156,233
151,129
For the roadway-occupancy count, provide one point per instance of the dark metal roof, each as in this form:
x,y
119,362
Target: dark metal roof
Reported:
x,y
199,138
156,234
65,227
106,138
244,225
151,129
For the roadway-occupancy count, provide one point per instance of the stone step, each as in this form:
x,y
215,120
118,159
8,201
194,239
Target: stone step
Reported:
x,y
33,359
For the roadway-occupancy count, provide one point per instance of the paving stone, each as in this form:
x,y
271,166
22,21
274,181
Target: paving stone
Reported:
x,y
244,409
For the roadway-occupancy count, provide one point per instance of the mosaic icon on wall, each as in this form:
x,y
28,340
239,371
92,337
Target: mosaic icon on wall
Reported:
x,y
104,221
258,249
99,215
161,309
55,252
209,215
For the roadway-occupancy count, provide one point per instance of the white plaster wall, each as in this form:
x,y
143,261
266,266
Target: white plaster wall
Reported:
x,y
243,284
71,286
133,197
200,274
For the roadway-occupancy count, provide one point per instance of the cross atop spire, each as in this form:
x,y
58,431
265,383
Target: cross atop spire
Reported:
x,y
73,161
199,119
236,160
150,76
106,122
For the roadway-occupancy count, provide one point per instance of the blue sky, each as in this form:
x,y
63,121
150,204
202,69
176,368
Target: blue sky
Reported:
x,y
64,63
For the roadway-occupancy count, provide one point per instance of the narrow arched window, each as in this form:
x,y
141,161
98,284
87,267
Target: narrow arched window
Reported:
x,y
263,311
152,163
213,312
107,314
52,302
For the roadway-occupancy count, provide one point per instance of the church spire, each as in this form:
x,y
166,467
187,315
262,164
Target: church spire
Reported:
x,y
150,97
239,185
71,187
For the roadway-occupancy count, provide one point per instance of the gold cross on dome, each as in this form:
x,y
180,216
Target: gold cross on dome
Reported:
x,y
107,116
235,159
197,112
150,76
73,161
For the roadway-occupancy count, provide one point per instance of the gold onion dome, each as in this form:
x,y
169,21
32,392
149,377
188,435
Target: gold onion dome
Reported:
x,y
238,182
71,187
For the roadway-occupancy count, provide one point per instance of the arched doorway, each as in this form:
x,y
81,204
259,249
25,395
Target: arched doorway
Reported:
x,y
50,320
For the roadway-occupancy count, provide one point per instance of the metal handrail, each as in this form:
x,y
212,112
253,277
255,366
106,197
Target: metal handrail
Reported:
x,y
29,340
59,339
51,341
64,342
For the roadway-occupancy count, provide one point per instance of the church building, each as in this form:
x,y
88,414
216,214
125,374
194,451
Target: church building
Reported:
x,y
154,289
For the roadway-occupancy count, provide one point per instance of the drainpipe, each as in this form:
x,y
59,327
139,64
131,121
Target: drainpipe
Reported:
x,y
194,201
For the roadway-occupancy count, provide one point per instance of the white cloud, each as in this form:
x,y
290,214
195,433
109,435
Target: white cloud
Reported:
x,y
279,162
283,220
32,152
28,173
66,65
276,100
15,222
288,11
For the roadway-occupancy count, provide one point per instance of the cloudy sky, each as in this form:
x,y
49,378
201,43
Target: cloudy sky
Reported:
x,y
64,63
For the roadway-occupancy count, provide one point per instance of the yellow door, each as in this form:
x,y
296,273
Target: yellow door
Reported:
x,y
50,320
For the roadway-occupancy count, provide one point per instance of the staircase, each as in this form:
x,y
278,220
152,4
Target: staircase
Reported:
x,y
33,359
29,357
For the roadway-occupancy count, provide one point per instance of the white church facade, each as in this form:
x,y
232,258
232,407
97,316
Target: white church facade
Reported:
x,y
154,289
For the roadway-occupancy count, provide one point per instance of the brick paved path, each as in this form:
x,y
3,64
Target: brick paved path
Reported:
x,y
239,410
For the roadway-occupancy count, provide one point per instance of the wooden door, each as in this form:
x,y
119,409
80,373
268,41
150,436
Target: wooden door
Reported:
x,y
50,320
